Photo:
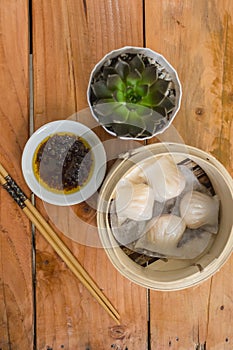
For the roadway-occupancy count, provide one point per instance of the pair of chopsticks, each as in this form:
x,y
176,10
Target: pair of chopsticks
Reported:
x,y
58,245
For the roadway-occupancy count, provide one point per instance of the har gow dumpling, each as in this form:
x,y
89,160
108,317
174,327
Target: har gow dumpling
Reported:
x,y
163,235
133,201
200,210
135,175
129,231
164,176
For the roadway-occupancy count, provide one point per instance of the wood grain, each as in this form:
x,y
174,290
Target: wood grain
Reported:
x,y
16,308
69,38
197,38
200,49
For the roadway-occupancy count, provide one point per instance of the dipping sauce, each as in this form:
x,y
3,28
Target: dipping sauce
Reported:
x,y
63,162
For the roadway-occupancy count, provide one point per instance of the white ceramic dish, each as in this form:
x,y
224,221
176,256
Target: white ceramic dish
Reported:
x,y
98,173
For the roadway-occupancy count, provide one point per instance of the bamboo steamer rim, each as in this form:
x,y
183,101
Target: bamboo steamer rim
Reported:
x,y
189,276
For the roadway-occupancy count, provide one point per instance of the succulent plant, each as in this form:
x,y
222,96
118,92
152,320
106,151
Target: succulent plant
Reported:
x,y
132,95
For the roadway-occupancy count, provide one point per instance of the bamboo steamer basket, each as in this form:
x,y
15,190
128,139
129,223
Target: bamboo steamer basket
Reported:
x,y
170,274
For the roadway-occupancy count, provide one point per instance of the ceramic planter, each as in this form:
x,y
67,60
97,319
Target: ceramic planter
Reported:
x,y
136,96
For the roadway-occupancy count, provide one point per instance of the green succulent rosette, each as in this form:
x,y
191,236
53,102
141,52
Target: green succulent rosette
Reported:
x,y
132,96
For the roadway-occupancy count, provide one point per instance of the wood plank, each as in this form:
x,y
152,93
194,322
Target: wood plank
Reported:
x,y
196,37
69,38
16,308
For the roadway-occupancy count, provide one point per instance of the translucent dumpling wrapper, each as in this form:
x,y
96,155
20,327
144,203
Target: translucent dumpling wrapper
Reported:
x,y
167,207
133,201
166,179
162,236
163,175
200,210
136,175
129,231
193,243
192,183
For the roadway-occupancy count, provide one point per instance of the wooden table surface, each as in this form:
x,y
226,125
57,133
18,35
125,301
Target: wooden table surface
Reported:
x,y
42,305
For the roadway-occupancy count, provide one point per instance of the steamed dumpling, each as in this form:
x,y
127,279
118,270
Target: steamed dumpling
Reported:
x,y
133,201
136,175
129,231
200,210
162,175
168,181
163,235
165,178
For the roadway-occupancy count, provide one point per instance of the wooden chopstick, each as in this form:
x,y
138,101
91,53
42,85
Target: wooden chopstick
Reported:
x,y
64,253
58,245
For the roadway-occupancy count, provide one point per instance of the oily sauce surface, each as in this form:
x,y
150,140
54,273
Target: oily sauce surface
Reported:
x,y
63,162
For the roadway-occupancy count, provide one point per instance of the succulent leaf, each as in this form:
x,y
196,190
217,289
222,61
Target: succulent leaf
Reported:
x,y
168,104
120,114
106,108
150,125
134,120
161,85
108,71
149,75
114,82
141,90
119,96
154,98
105,120
161,110
100,89
120,129
122,68
156,117
137,64
133,78
105,100
143,111
153,121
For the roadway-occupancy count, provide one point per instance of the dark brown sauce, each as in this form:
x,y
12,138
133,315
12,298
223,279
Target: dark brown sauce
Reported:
x,y
63,162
